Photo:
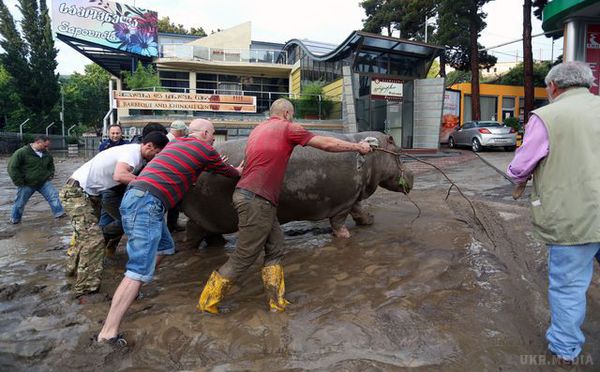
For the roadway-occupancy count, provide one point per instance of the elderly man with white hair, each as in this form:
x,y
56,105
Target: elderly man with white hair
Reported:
x,y
560,150
177,130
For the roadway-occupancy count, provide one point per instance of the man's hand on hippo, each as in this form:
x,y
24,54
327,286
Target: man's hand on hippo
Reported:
x,y
240,168
364,147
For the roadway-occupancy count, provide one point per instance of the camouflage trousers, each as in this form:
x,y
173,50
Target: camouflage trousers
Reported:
x,y
86,253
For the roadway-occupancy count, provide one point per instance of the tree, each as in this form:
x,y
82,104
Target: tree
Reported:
x,y
142,78
9,100
539,6
462,48
406,16
86,96
527,61
516,76
165,25
29,57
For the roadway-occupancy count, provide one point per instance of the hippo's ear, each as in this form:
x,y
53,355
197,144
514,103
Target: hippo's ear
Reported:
x,y
390,140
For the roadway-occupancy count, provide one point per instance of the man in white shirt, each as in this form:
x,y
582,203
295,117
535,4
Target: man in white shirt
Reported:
x,y
82,199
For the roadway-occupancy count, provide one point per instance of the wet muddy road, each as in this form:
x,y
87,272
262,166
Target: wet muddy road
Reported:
x,y
444,292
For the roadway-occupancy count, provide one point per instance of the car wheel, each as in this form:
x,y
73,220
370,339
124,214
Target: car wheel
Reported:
x,y
451,143
510,148
476,145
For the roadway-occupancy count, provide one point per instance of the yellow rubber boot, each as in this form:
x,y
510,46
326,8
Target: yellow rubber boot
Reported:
x,y
213,293
272,277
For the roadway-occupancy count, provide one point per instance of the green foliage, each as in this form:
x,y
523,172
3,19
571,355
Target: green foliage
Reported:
x,y
456,77
165,25
72,140
512,122
143,77
86,97
27,138
29,57
434,70
458,20
406,16
539,6
515,76
309,105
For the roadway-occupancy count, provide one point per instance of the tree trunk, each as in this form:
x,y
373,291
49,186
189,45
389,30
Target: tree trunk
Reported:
x,y
527,60
475,107
443,65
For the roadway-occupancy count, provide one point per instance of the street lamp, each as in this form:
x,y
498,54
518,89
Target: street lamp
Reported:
x,y
62,108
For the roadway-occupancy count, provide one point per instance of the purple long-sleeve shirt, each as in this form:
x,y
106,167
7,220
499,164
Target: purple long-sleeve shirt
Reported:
x,y
535,147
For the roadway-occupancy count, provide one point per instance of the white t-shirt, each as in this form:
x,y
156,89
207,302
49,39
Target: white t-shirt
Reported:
x,y
96,175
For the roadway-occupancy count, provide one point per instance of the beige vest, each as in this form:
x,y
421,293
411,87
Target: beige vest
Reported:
x,y
565,201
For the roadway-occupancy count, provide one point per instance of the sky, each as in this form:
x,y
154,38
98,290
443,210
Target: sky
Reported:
x,y
322,20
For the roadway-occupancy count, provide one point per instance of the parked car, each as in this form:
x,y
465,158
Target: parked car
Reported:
x,y
480,134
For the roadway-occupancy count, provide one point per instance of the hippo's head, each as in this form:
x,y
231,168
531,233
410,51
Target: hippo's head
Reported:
x,y
395,176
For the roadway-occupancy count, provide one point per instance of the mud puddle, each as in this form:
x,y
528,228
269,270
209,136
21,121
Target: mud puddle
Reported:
x,y
439,293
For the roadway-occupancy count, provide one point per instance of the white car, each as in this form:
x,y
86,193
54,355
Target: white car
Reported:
x,y
480,134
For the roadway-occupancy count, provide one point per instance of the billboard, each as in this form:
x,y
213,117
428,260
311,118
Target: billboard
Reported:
x,y
118,26
592,53
450,114
386,88
184,101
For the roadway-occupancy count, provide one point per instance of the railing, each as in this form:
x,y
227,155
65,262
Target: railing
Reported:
x,y
307,106
196,52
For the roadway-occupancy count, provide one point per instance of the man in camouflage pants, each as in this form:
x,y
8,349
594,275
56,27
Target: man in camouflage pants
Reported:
x,y
87,251
82,199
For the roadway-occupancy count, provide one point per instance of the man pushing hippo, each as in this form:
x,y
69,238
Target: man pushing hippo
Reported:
x,y
255,199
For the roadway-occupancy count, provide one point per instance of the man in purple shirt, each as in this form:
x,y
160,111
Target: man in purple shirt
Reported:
x,y
560,151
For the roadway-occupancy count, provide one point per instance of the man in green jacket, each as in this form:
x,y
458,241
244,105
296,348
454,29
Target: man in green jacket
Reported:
x,y
31,168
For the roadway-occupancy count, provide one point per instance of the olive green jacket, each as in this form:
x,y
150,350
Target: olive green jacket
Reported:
x,y
565,201
26,168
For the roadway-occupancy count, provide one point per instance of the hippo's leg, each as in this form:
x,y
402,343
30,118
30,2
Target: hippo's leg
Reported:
x,y
194,234
360,215
338,225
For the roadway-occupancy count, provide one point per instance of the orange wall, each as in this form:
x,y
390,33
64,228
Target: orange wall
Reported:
x,y
498,91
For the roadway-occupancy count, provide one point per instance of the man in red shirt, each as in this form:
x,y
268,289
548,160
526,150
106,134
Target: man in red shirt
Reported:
x,y
255,199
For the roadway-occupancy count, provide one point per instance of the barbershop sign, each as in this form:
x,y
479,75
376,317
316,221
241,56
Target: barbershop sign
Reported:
x,y
183,101
386,88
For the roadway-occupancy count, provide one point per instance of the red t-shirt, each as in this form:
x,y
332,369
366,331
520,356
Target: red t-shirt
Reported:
x,y
269,148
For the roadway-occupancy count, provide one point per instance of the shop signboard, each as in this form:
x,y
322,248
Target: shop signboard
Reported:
x,y
592,53
119,26
450,114
386,88
184,101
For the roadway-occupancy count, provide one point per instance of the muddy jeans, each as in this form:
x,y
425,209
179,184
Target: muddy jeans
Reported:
x,y
85,258
258,230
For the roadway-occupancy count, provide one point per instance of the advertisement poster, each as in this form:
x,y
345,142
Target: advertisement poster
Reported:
x,y
118,26
592,53
450,114
388,89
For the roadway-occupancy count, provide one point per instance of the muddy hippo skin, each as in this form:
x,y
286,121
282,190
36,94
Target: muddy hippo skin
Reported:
x,y
317,185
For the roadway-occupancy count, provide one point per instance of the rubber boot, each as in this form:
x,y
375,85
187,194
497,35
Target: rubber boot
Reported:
x,y
272,277
213,293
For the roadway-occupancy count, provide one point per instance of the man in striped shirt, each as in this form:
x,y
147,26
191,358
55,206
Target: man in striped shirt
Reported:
x,y
160,186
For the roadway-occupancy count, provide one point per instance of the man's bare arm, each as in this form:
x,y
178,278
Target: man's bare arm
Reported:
x,y
123,173
331,144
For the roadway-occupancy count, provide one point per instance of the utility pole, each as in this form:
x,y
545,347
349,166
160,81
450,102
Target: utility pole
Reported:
x,y
425,28
62,109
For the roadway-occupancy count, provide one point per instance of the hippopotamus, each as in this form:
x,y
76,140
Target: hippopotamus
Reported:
x,y
317,185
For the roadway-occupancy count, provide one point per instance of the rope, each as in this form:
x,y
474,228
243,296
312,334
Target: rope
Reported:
x,y
452,184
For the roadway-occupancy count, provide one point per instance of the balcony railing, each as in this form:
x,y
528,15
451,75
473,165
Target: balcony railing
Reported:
x,y
202,53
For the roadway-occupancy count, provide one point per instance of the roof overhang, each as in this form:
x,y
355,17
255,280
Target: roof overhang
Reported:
x,y
372,42
112,60
557,11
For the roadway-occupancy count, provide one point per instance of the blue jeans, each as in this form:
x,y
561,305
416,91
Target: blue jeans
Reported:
x,y
25,192
143,217
570,271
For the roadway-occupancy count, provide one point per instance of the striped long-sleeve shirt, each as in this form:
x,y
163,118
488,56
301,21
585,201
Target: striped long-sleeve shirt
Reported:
x,y
175,169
